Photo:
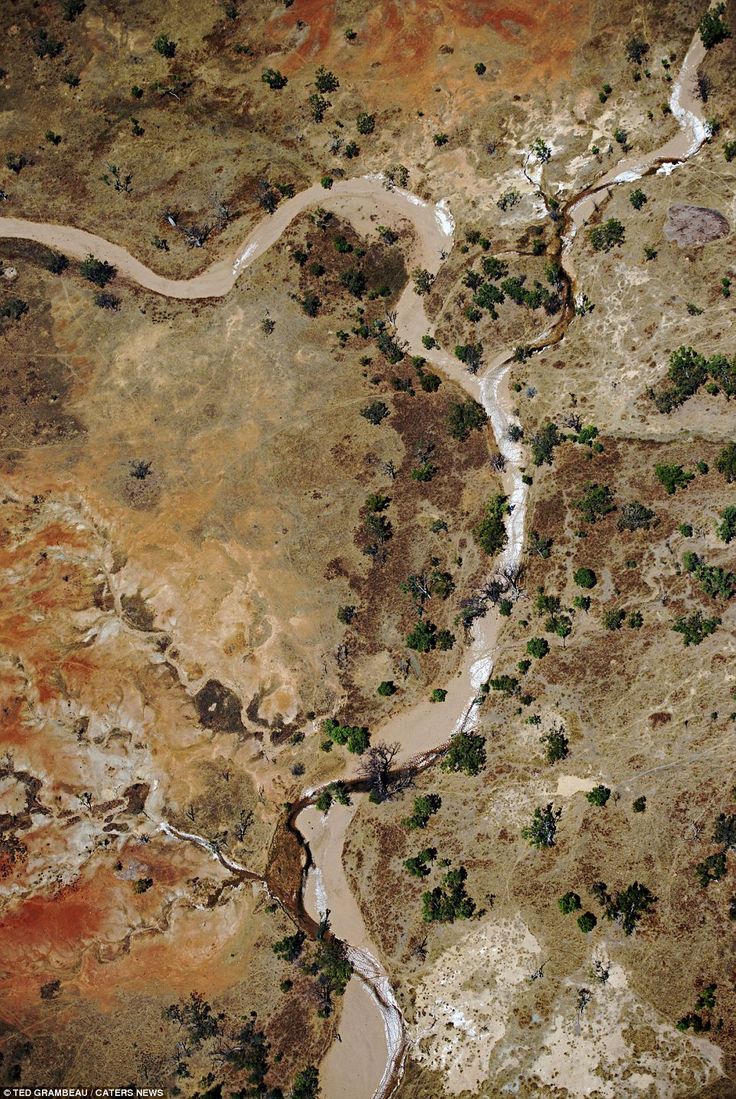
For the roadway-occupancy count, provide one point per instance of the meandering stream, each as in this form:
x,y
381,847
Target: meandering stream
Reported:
x,y
367,1061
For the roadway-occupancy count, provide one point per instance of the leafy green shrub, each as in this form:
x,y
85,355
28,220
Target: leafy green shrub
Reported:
x,y
639,805
585,578
587,922
637,198
613,619
537,647
386,688
365,123
543,444
438,695
326,81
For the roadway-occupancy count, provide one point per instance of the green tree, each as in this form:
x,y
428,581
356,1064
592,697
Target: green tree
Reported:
x,y
606,236
449,901
542,830
14,308
418,866
537,647
466,754
568,903
374,412
637,198
556,745
423,637
712,868
543,444
97,271
585,578
725,830
290,947
365,123
672,477
695,627
425,806
439,694
326,81
306,1084
471,354
639,805
712,28
490,533
356,737
323,801
464,417
164,45
587,922
596,501
423,280
599,795
275,79
726,462
386,688
635,516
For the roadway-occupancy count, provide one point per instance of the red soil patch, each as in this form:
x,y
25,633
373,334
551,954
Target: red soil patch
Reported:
x,y
530,43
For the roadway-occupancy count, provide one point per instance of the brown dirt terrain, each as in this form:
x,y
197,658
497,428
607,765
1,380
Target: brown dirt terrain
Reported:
x,y
184,511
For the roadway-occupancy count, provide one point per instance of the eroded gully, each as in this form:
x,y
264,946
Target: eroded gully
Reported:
x,y
366,1063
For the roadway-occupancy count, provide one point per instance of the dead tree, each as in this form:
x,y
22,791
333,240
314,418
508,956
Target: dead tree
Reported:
x,y
195,236
242,826
375,766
